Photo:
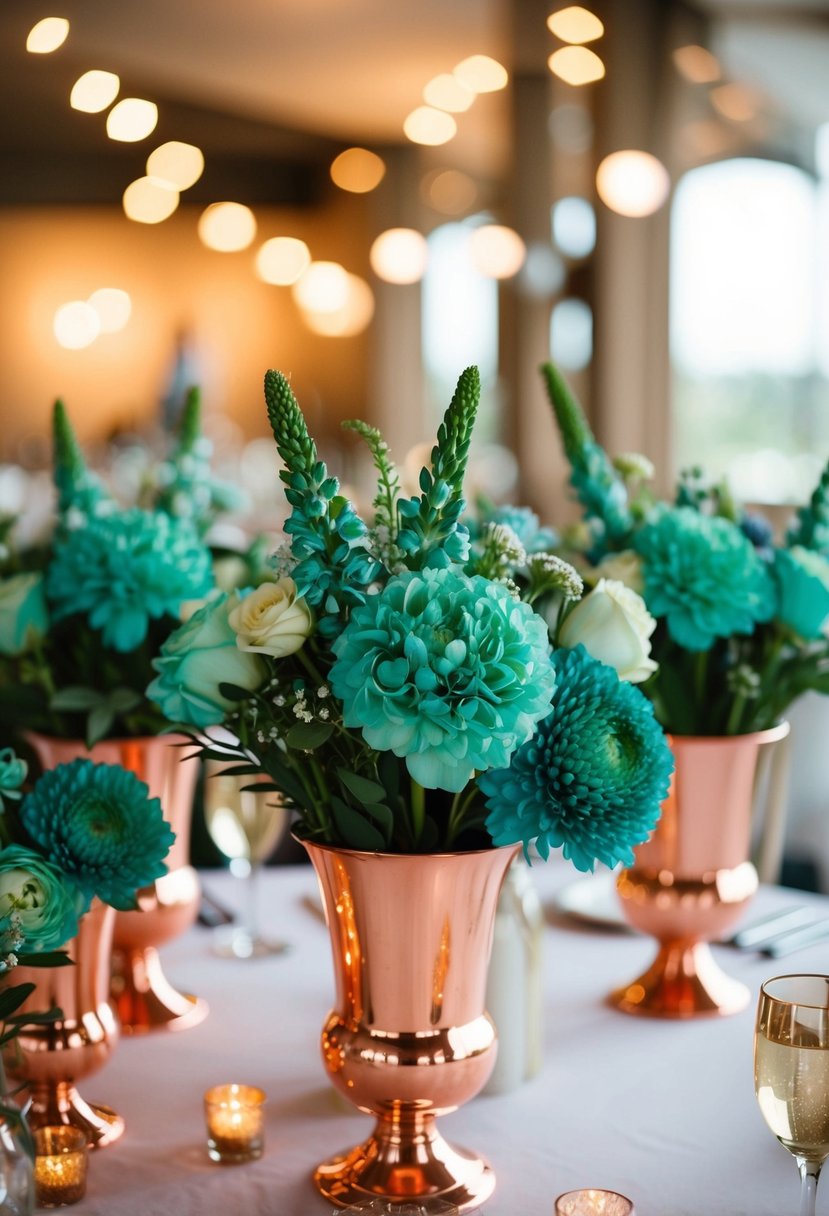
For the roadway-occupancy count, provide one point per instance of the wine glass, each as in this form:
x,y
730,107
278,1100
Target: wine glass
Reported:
x,y
791,1071
246,826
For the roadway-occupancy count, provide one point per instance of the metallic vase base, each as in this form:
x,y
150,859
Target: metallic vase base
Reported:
x,y
684,981
144,998
435,1172
63,1106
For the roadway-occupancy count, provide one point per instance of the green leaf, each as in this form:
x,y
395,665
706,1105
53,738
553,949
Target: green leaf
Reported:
x,y
232,692
429,836
357,832
12,998
74,699
49,958
381,814
388,769
122,700
362,789
44,1018
309,735
98,723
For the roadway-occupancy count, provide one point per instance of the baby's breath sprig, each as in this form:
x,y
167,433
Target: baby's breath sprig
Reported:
x,y
549,574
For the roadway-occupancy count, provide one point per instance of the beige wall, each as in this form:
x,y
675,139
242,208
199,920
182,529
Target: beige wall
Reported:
x,y
239,325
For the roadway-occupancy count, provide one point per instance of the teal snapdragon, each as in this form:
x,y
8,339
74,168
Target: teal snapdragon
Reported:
x,y
592,778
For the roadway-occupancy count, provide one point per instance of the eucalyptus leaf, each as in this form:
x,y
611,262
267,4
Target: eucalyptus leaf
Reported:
x,y
122,700
381,816
44,1018
306,736
362,788
48,958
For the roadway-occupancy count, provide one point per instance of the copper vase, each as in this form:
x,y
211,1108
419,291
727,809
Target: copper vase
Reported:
x,y
143,996
49,1060
692,879
408,1038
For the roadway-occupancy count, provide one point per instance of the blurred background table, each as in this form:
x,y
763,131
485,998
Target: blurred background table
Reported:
x,y
662,1111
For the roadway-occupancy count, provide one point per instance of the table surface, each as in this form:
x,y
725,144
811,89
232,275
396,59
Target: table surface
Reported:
x,y
662,1111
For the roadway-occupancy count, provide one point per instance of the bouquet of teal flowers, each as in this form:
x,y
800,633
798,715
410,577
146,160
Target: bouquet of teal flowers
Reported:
x,y
82,616
407,690
83,831
742,619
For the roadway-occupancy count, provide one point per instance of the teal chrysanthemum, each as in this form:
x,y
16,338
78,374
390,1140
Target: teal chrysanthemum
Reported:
x,y
99,826
592,778
124,569
704,576
448,671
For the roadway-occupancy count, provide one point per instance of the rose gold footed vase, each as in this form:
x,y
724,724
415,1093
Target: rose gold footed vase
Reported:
x,y
143,996
49,1060
692,879
408,1038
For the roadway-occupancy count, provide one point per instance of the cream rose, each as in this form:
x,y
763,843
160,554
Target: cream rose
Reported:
x,y
614,626
272,620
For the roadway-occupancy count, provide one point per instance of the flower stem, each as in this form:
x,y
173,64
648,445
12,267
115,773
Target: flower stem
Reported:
x,y
700,681
460,805
735,714
418,805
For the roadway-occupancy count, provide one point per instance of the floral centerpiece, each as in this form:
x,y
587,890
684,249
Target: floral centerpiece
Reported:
x,y
410,696
742,619
82,832
742,630
409,691
83,614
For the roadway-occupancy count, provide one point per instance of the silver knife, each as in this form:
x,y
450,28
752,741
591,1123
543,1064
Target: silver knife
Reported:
x,y
787,943
756,934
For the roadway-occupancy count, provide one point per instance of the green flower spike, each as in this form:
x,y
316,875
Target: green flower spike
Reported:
x,y
430,532
189,489
811,529
599,487
78,488
328,538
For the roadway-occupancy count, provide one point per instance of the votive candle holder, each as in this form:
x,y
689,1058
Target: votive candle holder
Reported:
x,y
591,1202
235,1117
61,1155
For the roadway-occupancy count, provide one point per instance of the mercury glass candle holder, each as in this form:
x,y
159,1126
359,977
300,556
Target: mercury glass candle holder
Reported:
x,y
235,1117
60,1165
591,1202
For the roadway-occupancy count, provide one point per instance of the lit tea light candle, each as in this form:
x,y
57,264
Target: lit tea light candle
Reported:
x,y
235,1122
60,1165
593,1203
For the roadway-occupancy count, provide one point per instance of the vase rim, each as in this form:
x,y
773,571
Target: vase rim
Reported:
x,y
771,734
170,737
443,855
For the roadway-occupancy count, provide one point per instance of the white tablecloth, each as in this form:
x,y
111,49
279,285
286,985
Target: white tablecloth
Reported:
x,y
662,1111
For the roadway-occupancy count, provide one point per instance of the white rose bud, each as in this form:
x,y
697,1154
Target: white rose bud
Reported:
x,y
614,626
272,620
624,567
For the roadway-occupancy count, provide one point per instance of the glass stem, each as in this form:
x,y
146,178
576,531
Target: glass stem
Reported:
x,y
809,1174
252,901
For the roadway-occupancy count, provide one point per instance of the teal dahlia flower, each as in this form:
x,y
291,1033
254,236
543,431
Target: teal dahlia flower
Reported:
x,y
704,576
98,824
448,671
126,568
593,776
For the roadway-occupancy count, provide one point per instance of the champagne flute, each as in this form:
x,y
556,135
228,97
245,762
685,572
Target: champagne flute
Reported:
x,y
791,1072
246,826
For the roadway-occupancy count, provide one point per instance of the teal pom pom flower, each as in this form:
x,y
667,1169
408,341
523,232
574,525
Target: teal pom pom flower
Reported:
x,y
38,900
99,826
124,569
704,576
199,656
448,671
803,587
592,778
